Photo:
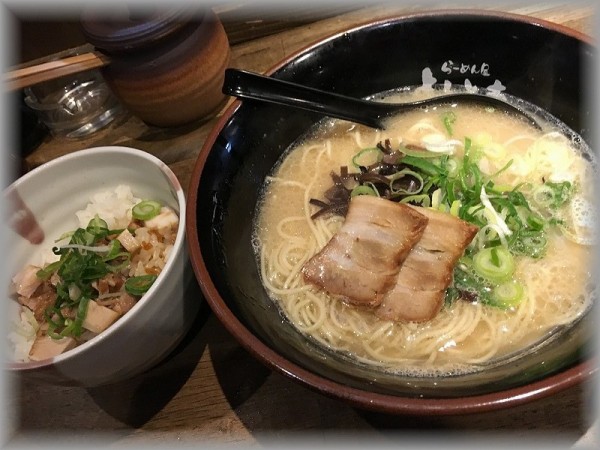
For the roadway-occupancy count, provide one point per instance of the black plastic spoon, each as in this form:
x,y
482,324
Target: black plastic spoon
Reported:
x,y
248,85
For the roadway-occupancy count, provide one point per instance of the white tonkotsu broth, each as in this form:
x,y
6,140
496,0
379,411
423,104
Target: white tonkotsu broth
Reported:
x,y
464,334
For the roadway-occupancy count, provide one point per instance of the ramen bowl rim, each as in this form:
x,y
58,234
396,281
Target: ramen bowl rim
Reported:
x,y
388,403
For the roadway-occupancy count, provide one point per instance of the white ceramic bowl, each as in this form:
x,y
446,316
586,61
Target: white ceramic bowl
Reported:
x,y
153,327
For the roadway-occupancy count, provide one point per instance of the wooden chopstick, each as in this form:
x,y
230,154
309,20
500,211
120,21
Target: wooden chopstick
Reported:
x,y
28,76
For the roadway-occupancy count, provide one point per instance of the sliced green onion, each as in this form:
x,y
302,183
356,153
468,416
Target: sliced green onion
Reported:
x,y
553,195
402,174
88,248
54,325
470,177
466,281
425,165
494,263
364,189
47,271
75,327
115,250
562,191
535,222
451,166
451,192
114,268
82,237
501,188
490,236
145,210
74,291
502,169
421,199
494,258
531,243
534,241
436,198
494,216
419,153
508,295
97,227
81,314
455,208
468,143
449,118
93,269
367,156
64,236
139,285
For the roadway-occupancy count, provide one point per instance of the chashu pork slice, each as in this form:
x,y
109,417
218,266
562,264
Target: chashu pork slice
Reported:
x,y
361,261
420,288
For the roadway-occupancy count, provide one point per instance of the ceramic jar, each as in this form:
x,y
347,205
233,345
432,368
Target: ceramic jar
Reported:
x,y
166,66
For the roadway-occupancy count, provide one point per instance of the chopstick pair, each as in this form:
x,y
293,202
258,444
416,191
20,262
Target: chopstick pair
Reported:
x,y
28,76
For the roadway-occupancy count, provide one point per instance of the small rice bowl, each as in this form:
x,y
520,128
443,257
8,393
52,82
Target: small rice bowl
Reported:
x,y
115,208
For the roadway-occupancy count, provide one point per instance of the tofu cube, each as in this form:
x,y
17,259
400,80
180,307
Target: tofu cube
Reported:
x,y
128,241
45,347
26,281
165,219
98,318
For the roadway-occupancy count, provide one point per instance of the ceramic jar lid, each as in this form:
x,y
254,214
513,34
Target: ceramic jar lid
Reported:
x,y
125,29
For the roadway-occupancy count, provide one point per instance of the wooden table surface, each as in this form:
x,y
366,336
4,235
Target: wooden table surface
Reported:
x,y
212,389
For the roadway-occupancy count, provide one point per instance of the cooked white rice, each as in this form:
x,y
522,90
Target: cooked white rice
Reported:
x,y
22,332
114,207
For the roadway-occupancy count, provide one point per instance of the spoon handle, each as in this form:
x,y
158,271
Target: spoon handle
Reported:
x,y
248,85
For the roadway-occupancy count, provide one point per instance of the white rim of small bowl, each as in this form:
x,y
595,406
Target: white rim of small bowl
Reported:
x,y
179,242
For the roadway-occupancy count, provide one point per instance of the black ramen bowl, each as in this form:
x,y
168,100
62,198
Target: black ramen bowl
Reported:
x,y
537,61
